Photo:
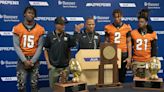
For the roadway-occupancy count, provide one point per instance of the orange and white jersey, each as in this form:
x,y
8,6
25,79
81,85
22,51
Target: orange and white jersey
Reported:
x,y
28,39
142,45
118,35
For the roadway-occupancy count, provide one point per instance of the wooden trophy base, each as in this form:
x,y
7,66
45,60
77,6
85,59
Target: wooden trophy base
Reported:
x,y
143,83
113,85
71,87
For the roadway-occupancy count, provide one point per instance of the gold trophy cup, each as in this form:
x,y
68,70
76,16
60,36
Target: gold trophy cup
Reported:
x,y
154,67
75,69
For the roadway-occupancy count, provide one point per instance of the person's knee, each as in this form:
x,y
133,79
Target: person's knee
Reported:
x,y
34,83
20,80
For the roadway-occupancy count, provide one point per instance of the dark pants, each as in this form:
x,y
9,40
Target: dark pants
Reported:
x,y
22,77
122,71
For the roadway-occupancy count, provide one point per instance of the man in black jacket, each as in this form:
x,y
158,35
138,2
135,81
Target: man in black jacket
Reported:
x,y
57,50
87,39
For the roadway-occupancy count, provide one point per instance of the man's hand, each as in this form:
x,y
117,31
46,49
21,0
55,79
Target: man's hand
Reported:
x,y
31,63
128,65
27,64
49,66
79,27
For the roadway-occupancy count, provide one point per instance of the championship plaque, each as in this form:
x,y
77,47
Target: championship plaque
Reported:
x,y
108,55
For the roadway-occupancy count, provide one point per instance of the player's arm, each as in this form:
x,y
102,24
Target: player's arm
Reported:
x,y
39,50
47,58
106,35
99,41
46,49
71,41
17,48
77,32
129,45
154,47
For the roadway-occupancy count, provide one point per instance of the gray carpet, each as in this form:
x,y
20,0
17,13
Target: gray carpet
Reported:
x,y
126,88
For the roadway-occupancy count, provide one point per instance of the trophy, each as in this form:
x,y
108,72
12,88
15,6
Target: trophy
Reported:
x,y
108,55
151,81
63,76
141,70
71,86
75,69
154,67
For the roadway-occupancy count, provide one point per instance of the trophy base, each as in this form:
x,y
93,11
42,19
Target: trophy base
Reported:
x,y
143,83
114,85
71,87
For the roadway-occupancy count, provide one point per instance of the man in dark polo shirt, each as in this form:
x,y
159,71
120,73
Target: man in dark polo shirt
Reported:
x,y
57,50
87,39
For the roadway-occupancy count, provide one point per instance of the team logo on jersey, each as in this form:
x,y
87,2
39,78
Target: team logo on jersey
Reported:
x,y
54,38
65,38
95,37
84,36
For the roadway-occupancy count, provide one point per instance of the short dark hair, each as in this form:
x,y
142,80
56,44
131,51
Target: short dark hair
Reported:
x,y
30,8
117,11
144,17
88,18
142,12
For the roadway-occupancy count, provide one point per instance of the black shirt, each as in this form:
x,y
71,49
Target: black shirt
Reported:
x,y
88,40
58,46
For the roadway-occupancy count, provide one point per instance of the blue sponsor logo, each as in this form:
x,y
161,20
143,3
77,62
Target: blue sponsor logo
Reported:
x,y
92,59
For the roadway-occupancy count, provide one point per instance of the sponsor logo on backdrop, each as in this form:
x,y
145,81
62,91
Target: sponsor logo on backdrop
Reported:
x,y
67,4
43,78
9,18
129,19
45,18
6,33
152,5
98,5
9,2
9,78
6,48
160,32
8,64
102,18
157,18
75,18
127,5
38,3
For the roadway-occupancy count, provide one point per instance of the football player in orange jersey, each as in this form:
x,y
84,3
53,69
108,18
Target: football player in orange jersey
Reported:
x,y
144,41
119,33
28,43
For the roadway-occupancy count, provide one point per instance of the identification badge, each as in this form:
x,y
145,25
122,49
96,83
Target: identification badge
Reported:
x,y
54,38
95,37
65,38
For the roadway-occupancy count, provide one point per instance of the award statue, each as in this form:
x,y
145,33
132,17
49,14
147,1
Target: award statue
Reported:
x,y
75,69
75,85
151,81
154,67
